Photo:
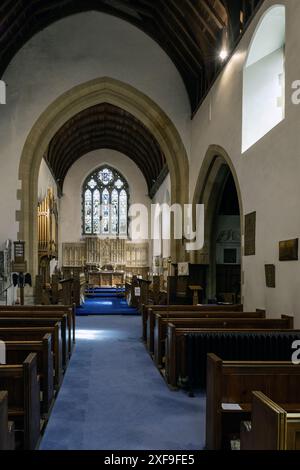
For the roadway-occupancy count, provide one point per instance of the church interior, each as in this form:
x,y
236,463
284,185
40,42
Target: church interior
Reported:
x,y
149,255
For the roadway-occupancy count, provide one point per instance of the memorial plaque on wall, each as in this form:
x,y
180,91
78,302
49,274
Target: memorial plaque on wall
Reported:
x,y
270,275
288,250
250,234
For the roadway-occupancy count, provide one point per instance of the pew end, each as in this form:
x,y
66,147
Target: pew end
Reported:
x,y
283,427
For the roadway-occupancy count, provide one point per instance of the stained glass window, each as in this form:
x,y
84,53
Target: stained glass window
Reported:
x,y
105,203
123,212
96,212
114,211
88,211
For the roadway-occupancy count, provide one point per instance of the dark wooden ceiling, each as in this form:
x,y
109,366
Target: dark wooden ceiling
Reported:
x,y
105,126
190,31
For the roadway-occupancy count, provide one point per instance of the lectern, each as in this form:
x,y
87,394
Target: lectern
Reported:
x,y
196,290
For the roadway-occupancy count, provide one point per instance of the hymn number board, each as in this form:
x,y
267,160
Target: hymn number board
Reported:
x,y
19,264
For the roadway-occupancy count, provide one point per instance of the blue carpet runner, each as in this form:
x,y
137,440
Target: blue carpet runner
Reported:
x,y
113,397
105,302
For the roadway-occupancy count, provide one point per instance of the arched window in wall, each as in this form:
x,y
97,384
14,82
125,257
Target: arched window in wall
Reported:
x,y
105,203
264,78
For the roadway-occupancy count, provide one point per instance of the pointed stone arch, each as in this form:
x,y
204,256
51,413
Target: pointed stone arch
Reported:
x,y
101,90
215,169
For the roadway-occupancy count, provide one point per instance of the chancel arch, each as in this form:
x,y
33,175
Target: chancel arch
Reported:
x,y
66,107
218,189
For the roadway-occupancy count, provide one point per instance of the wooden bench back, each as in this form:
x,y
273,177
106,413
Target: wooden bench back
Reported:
x,y
70,310
21,383
233,382
157,337
154,315
37,333
16,353
186,308
40,319
4,434
60,322
283,427
227,323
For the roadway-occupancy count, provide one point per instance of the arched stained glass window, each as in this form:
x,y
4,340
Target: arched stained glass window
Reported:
x,y
105,203
96,211
88,211
123,212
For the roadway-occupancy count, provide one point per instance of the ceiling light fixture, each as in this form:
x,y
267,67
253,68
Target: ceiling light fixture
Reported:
x,y
224,54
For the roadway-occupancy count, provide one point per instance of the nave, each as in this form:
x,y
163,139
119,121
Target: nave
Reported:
x,y
113,398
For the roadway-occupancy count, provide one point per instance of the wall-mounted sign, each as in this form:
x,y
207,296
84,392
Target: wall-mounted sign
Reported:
x,y
137,292
270,275
250,234
19,252
288,250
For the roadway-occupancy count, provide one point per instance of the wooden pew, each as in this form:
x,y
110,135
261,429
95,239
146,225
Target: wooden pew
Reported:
x,y
283,425
158,326
22,385
144,285
64,309
16,353
79,287
229,393
224,322
187,348
42,322
7,431
148,310
54,315
37,334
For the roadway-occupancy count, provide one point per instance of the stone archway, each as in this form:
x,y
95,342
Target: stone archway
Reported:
x,y
64,108
213,175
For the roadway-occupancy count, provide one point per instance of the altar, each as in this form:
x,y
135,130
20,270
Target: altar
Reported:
x,y
106,278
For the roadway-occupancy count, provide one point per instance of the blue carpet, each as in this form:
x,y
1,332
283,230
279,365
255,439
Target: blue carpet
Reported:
x,y
113,398
108,305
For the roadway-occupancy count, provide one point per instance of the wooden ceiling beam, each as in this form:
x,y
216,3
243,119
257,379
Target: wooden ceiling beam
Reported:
x,y
108,134
213,14
90,123
95,144
192,22
200,18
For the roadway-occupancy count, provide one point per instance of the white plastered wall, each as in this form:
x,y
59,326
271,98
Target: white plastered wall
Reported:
x,y
268,173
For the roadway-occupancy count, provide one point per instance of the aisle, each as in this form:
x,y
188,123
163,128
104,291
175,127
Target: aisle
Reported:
x,y
112,396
